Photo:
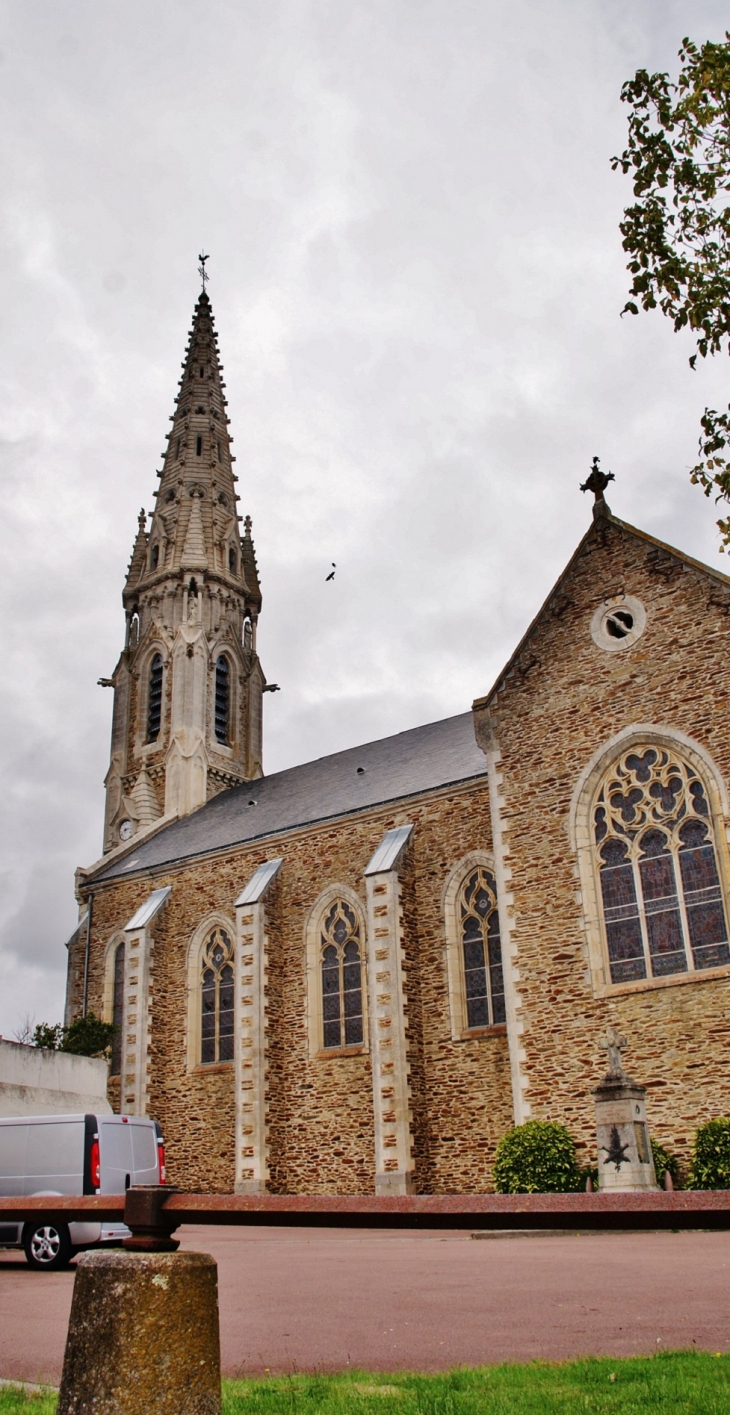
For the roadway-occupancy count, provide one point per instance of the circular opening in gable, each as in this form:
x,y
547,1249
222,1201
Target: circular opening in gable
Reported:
x,y
618,623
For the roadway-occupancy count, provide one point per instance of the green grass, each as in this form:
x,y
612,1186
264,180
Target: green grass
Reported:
x,y
695,1383
13,1398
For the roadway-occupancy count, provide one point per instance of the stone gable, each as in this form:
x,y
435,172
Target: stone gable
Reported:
x,y
561,700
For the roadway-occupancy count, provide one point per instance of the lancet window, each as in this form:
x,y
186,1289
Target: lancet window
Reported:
x,y
481,949
222,699
663,907
341,977
154,699
118,1010
216,982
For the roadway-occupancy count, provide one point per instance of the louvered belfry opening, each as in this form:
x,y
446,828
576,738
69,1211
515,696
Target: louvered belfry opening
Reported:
x,y
154,701
222,699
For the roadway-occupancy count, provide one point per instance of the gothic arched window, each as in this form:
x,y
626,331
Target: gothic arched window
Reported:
x,y
216,983
481,949
341,977
232,559
663,910
154,699
222,699
155,557
118,1010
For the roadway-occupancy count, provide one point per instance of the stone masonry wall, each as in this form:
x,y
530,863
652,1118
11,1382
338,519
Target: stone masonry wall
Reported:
x,y
563,700
320,1109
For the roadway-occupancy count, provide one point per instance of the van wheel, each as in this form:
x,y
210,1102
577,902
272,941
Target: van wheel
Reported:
x,y
47,1245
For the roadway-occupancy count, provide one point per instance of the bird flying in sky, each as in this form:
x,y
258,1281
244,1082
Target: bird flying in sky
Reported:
x,y
331,575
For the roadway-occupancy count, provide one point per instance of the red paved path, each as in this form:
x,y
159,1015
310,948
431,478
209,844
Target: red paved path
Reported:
x,y
319,1299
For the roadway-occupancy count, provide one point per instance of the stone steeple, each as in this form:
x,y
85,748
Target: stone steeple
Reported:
x,y
188,686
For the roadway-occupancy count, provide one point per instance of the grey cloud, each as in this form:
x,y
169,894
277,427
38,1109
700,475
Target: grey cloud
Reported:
x,y
416,274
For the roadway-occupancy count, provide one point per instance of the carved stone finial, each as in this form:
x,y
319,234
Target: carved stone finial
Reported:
x,y
142,519
614,1045
597,483
247,525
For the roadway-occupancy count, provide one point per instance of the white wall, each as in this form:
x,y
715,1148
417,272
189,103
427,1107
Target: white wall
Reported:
x,y
36,1082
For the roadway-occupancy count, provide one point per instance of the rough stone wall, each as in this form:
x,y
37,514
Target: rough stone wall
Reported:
x,y
468,1099
563,700
320,1108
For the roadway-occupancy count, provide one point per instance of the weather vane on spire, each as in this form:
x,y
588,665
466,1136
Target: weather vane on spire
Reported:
x,y
202,272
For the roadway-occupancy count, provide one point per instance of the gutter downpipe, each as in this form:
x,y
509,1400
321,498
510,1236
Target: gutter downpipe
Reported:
x,y
86,954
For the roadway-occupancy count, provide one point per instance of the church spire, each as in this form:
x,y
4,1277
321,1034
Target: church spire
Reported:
x,y
198,466
188,686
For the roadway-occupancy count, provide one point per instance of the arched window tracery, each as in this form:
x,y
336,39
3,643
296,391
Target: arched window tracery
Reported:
x,y
481,948
222,699
341,977
216,985
154,699
655,853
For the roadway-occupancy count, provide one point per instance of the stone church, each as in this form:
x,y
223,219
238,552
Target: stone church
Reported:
x,y
356,975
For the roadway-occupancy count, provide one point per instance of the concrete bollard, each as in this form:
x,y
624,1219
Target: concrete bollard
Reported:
x,y
143,1336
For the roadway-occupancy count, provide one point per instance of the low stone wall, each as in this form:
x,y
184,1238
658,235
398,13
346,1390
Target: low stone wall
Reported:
x,y
38,1082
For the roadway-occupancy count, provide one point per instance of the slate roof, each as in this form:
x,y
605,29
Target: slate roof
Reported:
x,y
408,764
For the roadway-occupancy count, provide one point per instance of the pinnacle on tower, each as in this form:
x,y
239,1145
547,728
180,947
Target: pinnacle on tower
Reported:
x,y
250,568
139,552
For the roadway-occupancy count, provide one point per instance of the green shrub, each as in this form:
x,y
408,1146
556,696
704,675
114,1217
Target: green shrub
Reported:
x,y
710,1168
87,1036
48,1037
664,1163
537,1158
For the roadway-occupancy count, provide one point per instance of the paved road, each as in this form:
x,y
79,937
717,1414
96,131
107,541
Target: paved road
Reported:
x,y
326,1300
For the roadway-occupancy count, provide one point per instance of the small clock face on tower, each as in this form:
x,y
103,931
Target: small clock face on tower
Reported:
x,y
126,829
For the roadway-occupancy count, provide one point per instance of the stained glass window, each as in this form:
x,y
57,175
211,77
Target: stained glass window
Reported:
x,y
222,698
663,909
154,699
216,981
482,950
341,971
118,1011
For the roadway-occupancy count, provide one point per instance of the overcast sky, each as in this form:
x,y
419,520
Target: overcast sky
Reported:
x,y
417,275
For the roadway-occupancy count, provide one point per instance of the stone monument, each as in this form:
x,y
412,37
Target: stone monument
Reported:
x,y
625,1160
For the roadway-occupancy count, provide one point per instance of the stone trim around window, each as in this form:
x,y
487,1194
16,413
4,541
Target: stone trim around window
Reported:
x,y
312,940
194,991
454,951
580,828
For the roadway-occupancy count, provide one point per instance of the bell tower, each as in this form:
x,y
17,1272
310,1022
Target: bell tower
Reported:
x,y
188,686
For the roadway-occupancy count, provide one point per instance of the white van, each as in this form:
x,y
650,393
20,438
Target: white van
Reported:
x,y
73,1154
